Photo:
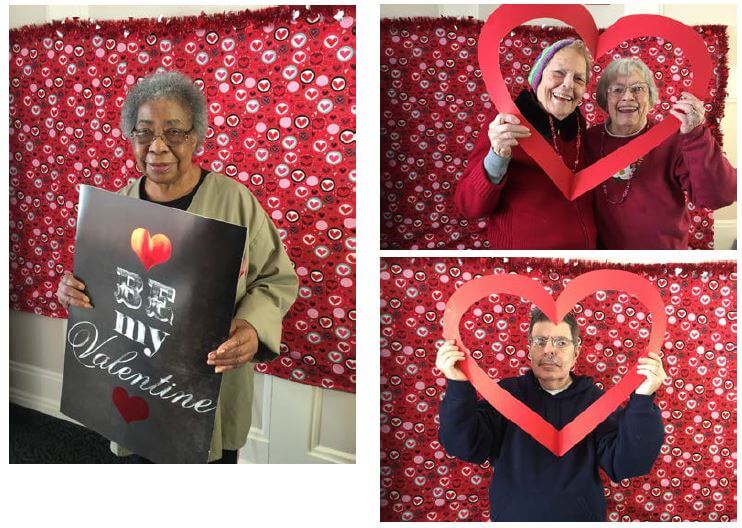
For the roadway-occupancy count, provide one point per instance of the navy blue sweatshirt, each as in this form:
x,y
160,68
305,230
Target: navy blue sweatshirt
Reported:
x,y
529,482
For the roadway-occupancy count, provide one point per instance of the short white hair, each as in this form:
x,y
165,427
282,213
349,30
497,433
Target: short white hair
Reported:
x,y
624,67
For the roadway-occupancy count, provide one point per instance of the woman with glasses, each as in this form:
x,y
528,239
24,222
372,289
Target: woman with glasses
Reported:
x,y
643,206
165,117
523,207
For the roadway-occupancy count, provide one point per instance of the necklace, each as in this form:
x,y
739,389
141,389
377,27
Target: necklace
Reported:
x,y
627,187
556,147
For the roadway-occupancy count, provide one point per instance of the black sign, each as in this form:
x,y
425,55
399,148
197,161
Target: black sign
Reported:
x,y
163,285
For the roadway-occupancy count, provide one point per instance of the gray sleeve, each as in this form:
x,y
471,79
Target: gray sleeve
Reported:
x,y
495,167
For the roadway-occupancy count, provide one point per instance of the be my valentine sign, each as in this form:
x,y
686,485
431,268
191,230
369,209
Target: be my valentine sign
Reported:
x,y
162,283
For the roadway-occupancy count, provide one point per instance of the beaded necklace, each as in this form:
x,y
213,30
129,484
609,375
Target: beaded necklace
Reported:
x,y
556,147
627,187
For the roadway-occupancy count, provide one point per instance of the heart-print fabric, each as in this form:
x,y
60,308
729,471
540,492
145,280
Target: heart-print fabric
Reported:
x,y
281,98
693,478
434,103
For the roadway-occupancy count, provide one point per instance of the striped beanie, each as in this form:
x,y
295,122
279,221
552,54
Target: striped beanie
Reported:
x,y
538,67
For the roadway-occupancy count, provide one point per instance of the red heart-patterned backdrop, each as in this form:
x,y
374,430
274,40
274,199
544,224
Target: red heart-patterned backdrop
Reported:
x,y
694,476
434,104
280,86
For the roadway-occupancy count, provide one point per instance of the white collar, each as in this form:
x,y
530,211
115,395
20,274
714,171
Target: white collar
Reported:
x,y
557,391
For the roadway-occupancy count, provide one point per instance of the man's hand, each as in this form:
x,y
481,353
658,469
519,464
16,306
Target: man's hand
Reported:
x,y
689,110
504,132
71,292
651,368
240,348
446,359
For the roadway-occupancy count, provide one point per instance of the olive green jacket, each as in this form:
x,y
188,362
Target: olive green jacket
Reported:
x,y
265,292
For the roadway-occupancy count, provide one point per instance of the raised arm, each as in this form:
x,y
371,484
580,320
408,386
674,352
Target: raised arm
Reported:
x,y
478,191
470,430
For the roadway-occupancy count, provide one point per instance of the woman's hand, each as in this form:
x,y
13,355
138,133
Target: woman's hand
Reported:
x,y
71,292
504,132
690,111
240,348
448,355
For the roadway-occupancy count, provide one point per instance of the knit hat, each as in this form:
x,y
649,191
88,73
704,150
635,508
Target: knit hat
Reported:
x,y
538,67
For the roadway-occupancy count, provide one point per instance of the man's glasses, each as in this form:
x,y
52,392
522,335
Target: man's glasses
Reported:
x,y
171,137
637,90
556,341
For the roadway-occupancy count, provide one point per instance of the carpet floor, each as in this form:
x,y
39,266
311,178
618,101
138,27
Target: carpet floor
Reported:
x,y
37,438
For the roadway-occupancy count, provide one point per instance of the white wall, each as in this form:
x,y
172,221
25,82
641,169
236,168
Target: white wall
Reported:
x,y
292,423
605,15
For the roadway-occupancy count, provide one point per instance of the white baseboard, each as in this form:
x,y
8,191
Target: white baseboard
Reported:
x,y
37,389
725,233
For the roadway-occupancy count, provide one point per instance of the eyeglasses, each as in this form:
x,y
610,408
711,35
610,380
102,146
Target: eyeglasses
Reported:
x,y
637,90
171,137
558,342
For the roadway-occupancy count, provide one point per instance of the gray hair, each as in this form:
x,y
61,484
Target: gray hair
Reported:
x,y
624,67
166,85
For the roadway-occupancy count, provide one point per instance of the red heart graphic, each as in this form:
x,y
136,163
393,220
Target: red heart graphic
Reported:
x,y
132,408
557,441
507,17
151,251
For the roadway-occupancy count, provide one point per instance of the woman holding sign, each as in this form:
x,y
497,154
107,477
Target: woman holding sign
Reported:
x,y
165,117
523,206
644,205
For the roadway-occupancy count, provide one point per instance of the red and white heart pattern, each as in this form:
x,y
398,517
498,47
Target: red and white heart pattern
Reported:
x,y
265,84
434,104
693,479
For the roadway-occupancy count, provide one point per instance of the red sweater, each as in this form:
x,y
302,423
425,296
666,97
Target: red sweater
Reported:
x,y
525,210
654,214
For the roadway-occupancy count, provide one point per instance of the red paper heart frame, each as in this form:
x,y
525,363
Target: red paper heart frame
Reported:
x,y
131,408
150,250
557,441
507,17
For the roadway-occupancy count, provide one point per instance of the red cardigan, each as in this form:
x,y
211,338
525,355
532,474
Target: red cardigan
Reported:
x,y
654,214
525,210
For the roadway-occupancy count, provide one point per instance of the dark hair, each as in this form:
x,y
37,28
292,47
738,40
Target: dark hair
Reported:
x,y
537,316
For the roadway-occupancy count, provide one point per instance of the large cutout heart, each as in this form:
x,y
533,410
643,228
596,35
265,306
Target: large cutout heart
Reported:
x,y
150,250
507,17
557,441
131,408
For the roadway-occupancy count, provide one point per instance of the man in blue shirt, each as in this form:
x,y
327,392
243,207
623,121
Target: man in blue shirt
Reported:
x,y
529,482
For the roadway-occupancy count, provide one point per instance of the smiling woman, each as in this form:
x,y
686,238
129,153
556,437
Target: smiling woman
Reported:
x,y
643,206
166,119
524,208
164,115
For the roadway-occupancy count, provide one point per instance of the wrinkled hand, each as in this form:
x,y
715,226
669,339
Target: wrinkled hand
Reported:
x,y
689,110
71,292
651,368
446,359
504,132
240,348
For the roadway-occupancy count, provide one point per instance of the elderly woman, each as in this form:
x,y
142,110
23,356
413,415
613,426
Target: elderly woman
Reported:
x,y
165,118
523,207
644,205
